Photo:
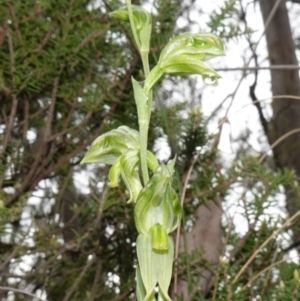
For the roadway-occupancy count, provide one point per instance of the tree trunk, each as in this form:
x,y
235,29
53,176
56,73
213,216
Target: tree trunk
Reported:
x,y
286,112
204,245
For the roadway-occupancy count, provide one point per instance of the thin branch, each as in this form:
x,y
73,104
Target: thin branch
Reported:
x,y
121,297
16,290
277,142
272,236
89,38
250,104
252,88
233,94
96,280
268,277
15,251
10,124
13,111
185,185
51,109
77,281
101,206
3,31
40,155
242,242
255,68
263,271
46,38
26,120
16,23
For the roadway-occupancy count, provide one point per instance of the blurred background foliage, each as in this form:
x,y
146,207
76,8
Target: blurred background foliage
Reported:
x,y
65,70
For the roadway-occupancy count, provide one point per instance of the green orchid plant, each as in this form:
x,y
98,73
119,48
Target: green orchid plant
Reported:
x,y
157,210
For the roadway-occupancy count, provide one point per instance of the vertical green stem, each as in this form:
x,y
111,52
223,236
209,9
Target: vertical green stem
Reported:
x,y
141,100
145,60
133,29
144,109
144,126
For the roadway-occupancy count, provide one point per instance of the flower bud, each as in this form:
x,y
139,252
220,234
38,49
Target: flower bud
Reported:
x,y
141,17
142,23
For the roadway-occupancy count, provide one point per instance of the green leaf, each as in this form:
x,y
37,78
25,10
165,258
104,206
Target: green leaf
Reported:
x,y
141,99
151,161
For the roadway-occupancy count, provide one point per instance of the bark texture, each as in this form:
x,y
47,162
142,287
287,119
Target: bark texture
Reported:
x,y
204,244
286,112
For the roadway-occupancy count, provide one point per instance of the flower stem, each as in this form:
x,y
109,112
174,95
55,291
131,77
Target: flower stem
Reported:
x,y
145,60
133,29
144,124
144,127
143,105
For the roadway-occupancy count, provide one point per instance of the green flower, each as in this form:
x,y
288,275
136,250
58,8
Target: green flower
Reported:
x,y
204,45
127,166
157,211
121,149
108,147
185,55
142,24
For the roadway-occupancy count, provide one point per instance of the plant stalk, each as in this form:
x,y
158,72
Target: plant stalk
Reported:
x,y
144,109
